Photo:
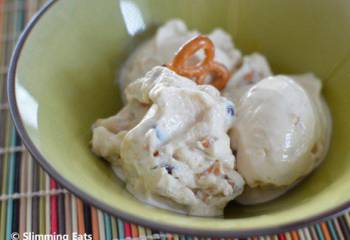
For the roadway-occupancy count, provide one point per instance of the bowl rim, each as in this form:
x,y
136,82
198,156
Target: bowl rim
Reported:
x,y
34,151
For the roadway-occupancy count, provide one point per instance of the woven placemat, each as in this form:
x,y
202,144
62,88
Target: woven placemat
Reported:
x,y
33,203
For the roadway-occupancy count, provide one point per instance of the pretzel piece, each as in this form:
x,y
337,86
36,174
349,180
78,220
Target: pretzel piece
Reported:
x,y
220,74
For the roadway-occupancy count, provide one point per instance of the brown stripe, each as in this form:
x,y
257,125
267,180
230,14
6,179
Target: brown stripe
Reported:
x,y
68,215
95,225
80,216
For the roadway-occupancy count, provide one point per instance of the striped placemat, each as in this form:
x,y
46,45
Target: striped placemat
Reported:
x,y
31,202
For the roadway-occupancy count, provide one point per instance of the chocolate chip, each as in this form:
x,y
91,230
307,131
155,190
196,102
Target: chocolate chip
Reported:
x,y
169,168
230,110
156,154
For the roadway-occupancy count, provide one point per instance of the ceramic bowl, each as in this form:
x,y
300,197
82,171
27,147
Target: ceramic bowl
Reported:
x,y
61,81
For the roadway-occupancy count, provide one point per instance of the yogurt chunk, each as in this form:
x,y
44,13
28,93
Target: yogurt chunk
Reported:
x,y
171,144
253,69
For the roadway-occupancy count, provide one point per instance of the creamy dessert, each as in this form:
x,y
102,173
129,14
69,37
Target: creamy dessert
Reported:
x,y
203,125
170,142
280,135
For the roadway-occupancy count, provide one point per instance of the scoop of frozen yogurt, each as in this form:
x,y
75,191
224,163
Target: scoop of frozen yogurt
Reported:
x,y
280,135
171,143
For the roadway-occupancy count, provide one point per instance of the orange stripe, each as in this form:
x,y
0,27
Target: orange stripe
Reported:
x,y
170,236
80,216
134,231
94,222
325,231
295,235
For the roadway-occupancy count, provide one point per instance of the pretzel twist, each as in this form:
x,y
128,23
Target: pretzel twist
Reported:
x,y
220,74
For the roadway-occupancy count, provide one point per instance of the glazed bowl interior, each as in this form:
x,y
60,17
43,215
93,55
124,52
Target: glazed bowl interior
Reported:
x,y
63,81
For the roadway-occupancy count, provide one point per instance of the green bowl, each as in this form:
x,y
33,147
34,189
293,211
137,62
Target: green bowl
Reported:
x,y
61,81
